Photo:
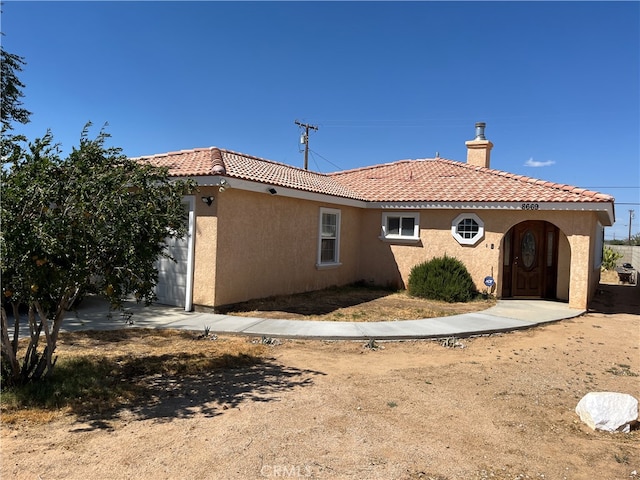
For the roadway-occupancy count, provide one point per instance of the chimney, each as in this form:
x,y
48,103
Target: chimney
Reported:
x,y
479,149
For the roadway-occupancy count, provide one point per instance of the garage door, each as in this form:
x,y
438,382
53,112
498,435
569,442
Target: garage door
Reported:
x,y
175,278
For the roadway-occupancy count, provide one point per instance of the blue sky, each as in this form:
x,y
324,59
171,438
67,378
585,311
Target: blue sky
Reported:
x,y
557,83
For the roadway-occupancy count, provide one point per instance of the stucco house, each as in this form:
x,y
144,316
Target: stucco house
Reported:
x,y
260,228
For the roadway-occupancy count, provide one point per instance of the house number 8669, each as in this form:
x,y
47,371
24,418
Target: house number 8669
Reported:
x,y
530,206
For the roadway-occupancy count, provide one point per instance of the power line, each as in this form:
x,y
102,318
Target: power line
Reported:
x,y
328,161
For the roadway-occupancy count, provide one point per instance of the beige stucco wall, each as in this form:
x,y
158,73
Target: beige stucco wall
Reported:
x,y
579,227
390,263
254,245
564,267
205,248
268,245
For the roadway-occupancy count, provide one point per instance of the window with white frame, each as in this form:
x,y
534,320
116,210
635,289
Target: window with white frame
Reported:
x,y
329,238
467,229
404,226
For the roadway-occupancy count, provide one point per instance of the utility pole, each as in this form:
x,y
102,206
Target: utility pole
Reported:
x,y
305,139
630,218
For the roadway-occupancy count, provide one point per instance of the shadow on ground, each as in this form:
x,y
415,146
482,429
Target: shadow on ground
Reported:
x,y
611,299
166,397
312,303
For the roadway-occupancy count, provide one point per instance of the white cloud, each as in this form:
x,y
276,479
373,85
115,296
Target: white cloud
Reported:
x,y
535,163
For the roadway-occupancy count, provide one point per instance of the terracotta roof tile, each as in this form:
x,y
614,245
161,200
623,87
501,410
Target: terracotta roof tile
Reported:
x,y
243,166
199,161
422,180
440,180
217,161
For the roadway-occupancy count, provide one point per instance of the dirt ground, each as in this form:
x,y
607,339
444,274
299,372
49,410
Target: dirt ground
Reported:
x,y
492,407
353,304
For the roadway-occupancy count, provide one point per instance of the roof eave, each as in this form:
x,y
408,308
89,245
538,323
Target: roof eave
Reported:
x,y
604,210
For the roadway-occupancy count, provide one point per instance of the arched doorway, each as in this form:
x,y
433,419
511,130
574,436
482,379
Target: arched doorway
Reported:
x,y
530,260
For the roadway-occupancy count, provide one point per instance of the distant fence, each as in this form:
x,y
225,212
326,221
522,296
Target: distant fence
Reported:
x,y
630,254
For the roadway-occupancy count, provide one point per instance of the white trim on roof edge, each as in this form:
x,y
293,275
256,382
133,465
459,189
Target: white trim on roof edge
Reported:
x,y
259,187
605,210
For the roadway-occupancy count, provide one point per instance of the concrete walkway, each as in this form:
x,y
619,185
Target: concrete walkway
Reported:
x,y
507,315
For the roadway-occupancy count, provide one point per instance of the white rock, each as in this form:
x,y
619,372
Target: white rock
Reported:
x,y
608,411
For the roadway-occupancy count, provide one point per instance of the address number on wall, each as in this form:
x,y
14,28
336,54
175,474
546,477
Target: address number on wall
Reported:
x,y
530,206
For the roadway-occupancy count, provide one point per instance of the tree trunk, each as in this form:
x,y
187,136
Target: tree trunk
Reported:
x,y
35,365
9,349
47,362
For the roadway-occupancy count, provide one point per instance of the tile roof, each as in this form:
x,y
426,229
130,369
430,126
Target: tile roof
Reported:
x,y
422,180
217,161
189,163
265,171
440,180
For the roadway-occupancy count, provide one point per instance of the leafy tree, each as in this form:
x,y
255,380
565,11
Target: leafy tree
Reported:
x,y
93,221
11,106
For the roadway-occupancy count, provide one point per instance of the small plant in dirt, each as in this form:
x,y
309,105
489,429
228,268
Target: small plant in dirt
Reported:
x,y
442,278
622,458
451,342
207,334
622,370
372,344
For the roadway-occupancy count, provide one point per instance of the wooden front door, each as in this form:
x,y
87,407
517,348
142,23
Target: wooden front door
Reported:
x,y
527,259
531,262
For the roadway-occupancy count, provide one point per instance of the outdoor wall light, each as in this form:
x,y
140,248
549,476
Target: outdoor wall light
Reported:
x,y
272,191
223,185
208,200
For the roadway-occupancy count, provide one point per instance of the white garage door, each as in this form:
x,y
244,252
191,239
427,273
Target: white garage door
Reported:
x,y
175,278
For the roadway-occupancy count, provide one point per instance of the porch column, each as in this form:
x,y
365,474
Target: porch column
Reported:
x,y
580,268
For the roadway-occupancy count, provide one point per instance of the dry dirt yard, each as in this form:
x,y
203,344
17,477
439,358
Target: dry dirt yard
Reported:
x,y
494,407
353,304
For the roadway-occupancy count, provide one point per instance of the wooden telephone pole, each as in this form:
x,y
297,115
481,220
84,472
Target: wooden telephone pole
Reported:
x,y
305,140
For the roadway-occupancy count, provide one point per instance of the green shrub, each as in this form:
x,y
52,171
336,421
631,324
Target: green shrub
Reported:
x,y
443,278
609,258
